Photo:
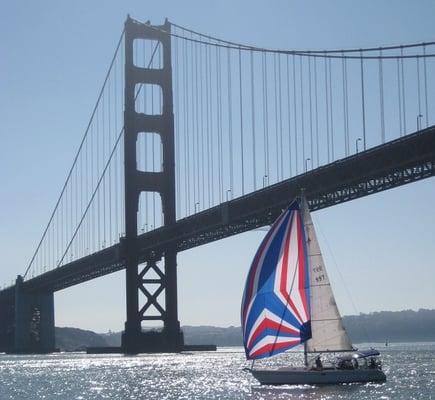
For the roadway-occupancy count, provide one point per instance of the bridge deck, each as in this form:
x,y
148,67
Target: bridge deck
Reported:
x,y
395,163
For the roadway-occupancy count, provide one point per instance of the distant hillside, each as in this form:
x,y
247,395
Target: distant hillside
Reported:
x,y
400,326
231,336
74,339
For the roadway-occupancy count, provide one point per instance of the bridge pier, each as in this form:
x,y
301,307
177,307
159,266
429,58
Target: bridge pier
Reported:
x,y
33,321
7,309
138,281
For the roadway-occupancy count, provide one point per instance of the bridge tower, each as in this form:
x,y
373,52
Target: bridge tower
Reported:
x,y
163,182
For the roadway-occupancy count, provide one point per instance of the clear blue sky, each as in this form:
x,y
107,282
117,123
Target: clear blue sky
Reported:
x,y
53,56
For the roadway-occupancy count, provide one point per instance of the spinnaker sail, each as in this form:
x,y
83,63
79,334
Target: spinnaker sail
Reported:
x,y
275,310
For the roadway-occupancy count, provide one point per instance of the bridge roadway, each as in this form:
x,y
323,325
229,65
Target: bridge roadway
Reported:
x,y
395,163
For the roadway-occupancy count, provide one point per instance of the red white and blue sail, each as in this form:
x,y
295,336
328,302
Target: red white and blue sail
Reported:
x,y
275,307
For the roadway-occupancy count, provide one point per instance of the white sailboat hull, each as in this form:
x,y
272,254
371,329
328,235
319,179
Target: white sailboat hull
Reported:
x,y
303,376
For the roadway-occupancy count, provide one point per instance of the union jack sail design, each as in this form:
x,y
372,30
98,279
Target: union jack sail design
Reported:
x,y
275,307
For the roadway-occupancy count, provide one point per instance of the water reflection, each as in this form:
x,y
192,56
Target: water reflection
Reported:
x,y
217,375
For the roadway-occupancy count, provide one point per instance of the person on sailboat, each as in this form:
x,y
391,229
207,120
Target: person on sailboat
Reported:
x,y
318,362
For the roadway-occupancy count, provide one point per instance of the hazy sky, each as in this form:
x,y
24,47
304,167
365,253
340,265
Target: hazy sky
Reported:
x,y
53,57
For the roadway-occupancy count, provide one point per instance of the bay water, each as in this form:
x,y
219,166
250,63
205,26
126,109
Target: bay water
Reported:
x,y
410,370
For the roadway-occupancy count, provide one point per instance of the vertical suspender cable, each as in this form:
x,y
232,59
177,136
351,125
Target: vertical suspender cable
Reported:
x,y
289,117
302,109
280,117
276,116
241,121
327,109
425,87
295,115
230,123
363,101
201,90
418,93
331,109
311,110
254,161
346,144
316,111
381,96
399,96
403,91
265,118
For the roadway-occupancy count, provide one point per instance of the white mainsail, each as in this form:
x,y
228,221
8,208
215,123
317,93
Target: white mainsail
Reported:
x,y
328,333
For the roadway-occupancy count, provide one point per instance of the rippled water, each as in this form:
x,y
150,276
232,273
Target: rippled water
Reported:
x,y
410,370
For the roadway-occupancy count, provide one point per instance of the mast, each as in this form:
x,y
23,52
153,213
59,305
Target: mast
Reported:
x,y
305,354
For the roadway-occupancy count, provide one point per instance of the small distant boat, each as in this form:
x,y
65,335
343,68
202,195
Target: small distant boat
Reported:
x,y
288,301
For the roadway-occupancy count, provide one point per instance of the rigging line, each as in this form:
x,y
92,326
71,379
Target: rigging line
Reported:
x,y
254,164
256,48
241,121
76,156
363,104
425,87
338,269
302,109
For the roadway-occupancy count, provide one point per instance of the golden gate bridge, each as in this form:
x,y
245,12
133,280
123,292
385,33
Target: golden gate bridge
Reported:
x,y
193,139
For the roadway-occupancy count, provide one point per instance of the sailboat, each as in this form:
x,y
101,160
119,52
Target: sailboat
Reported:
x,y
288,301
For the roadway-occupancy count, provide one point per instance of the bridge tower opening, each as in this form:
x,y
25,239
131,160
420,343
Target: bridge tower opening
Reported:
x,y
138,266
